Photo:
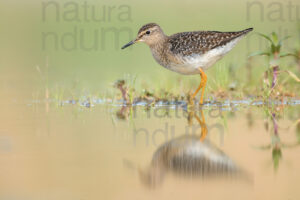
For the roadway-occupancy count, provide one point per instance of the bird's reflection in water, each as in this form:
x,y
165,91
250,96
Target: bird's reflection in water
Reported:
x,y
191,156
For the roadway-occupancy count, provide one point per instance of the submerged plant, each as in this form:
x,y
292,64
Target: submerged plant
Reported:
x,y
120,84
276,145
126,87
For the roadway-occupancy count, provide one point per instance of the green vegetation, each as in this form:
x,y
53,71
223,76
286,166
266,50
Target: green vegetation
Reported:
x,y
274,55
74,73
224,84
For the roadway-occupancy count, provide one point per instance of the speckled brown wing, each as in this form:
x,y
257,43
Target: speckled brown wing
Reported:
x,y
199,42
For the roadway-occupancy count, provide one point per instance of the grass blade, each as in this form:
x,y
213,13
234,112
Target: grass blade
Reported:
x,y
266,37
292,75
259,53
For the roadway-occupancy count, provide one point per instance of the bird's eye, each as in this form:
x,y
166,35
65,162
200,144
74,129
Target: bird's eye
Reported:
x,y
147,32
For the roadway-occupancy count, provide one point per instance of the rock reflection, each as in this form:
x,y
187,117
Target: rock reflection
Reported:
x,y
190,156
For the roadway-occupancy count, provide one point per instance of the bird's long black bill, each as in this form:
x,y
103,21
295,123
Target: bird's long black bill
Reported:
x,y
128,44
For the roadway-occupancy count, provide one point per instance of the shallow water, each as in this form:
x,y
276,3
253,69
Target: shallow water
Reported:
x,y
73,152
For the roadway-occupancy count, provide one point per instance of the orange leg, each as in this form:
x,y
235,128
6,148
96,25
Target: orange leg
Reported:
x,y
201,85
203,126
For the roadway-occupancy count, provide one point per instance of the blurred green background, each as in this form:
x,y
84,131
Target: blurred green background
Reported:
x,y
26,52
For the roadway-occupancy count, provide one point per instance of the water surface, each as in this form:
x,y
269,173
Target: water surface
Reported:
x,y
73,152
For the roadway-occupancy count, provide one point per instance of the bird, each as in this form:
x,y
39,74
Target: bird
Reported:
x,y
188,53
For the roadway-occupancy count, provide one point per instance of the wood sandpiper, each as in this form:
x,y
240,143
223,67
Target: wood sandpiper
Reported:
x,y
188,52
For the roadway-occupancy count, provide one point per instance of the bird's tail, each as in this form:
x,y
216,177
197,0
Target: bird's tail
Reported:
x,y
246,30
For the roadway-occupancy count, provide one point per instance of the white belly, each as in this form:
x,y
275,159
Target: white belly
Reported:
x,y
192,63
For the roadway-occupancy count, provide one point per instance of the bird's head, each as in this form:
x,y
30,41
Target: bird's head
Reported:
x,y
150,34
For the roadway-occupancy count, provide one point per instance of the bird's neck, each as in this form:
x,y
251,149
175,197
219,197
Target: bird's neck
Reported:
x,y
159,49
159,43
